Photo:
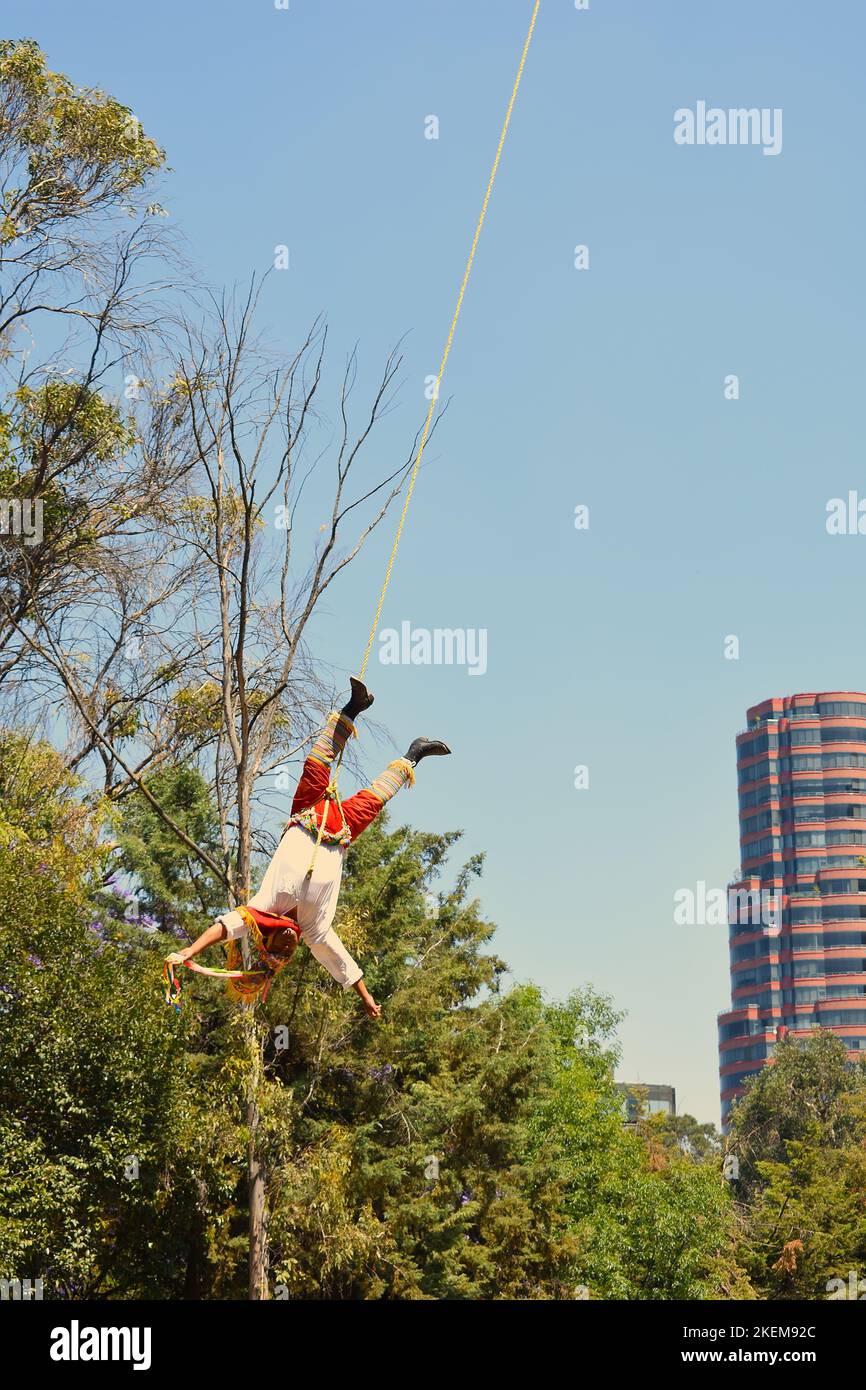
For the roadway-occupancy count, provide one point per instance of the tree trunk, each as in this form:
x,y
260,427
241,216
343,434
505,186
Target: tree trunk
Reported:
x,y
256,1171
196,1252
258,1264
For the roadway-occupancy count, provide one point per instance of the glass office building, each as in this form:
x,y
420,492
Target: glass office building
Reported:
x,y
797,915
641,1100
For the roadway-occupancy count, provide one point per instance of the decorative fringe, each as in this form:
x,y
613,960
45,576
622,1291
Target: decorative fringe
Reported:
x,y
310,822
249,986
407,767
172,987
253,984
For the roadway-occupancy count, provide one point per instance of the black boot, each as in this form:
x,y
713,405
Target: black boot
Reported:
x,y
361,699
425,747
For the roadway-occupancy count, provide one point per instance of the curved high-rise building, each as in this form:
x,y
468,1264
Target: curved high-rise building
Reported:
x,y
797,916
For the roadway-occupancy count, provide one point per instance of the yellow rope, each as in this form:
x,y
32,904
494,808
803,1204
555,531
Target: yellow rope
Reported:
x,y
430,413
445,355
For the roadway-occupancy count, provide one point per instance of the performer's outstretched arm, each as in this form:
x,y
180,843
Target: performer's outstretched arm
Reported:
x,y
210,937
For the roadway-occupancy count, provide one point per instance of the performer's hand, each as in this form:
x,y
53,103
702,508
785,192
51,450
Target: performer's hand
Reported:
x,y
176,958
371,1008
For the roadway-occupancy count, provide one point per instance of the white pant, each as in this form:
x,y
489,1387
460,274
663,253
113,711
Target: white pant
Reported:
x,y
313,901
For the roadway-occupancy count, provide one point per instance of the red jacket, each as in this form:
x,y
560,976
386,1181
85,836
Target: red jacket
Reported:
x,y
310,804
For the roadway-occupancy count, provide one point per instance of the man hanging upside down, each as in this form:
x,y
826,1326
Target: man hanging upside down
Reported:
x,y
298,895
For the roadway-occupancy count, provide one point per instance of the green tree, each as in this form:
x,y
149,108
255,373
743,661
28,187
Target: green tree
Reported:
x,y
113,1165
649,1222
68,153
804,1094
808,1224
470,1145
800,1136
682,1134
173,887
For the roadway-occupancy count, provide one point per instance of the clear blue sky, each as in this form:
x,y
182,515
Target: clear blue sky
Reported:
x,y
602,387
